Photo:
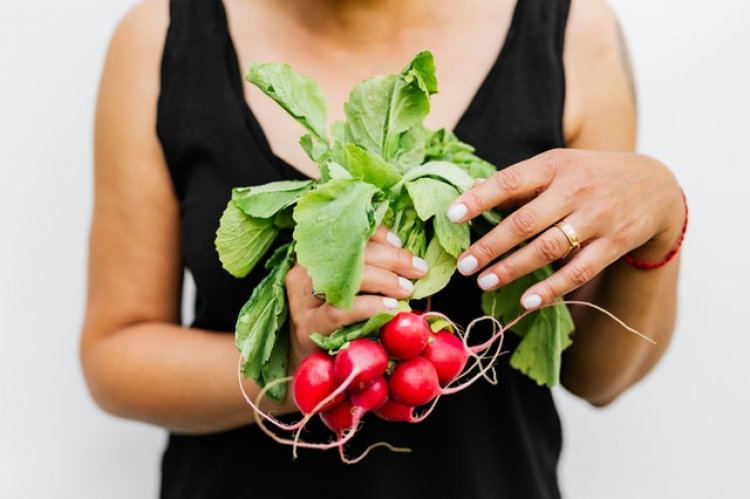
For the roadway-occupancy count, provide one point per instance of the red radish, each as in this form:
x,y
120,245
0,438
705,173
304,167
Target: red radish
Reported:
x,y
405,336
339,418
348,414
448,354
364,357
396,412
371,397
314,381
414,382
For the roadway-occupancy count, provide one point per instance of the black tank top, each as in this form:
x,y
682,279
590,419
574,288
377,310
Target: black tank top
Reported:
x,y
488,441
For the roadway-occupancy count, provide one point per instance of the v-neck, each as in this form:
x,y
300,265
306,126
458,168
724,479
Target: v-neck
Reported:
x,y
261,139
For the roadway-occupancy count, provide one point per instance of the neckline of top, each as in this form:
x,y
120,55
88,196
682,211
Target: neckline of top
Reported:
x,y
261,139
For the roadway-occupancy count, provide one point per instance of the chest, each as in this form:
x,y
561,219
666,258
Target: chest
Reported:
x,y
466,43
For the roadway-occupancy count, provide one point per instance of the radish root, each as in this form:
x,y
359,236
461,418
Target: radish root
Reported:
x,y
484,358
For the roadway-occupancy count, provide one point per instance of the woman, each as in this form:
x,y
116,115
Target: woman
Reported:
x,y
519,80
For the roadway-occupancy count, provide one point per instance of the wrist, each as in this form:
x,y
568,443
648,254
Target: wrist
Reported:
x,y
665,244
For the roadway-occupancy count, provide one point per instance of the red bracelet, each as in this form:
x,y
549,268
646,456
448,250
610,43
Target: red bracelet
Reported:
x,y
639,264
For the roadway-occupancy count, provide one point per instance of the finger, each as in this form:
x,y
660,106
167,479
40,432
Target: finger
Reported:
x,y
550,246
329,318
520,181
396,260
578,271
385,282
524,223
385,236
299,290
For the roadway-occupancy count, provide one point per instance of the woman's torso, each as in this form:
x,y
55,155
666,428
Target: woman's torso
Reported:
x,y
489,441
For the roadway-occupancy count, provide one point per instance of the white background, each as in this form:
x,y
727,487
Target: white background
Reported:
x,y
684,432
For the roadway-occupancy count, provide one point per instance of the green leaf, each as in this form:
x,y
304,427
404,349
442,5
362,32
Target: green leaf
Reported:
x,y
409,228
445,146
438,324
339,338
283,219
265,201
276,367
242,240
261,318
334,171
370,167
411,149
299,95
410,100
366,113
442,266
546,332
539,355
334,222
382,108
315,149
432,198
442,170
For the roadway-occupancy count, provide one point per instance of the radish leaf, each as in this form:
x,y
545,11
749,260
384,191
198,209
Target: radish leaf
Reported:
x,y
432,198
341,337
370,167
382,108
334,222
546,332
442,267
262,317
299,95
539,355
265,201
442,170
242,240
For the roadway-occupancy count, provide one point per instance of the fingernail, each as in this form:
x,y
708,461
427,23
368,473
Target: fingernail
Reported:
x,y
531,301
457,212
390,303
419,264
467,265
488,281
406,284
393,239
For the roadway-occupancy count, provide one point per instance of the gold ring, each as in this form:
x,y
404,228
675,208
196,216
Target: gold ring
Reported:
x,y
571,235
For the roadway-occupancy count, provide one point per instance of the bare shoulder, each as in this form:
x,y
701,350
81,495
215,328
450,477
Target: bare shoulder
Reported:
x,y
131,69
144,26
599,75
591,25
133,269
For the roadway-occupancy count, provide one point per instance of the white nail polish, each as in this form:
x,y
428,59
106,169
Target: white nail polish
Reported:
x,y
531,301
405,284
419,264
467,265
390,303
457,212
488,281
393,239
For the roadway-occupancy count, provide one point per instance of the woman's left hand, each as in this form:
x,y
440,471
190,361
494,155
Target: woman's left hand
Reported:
x,y
615,202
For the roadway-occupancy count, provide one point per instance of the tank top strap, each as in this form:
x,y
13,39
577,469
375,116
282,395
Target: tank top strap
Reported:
x,y
523,99
201,106
197,34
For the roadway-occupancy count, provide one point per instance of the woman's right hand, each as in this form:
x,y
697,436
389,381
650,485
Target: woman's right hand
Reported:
x,y
389,270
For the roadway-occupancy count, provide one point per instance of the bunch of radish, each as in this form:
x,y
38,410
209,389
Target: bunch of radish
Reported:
x,y
391,375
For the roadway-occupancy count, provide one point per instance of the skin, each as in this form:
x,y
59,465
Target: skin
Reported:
x,y
141,364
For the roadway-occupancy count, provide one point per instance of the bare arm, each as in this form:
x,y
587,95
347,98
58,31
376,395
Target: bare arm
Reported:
x,y
616,200
604,360
139,363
